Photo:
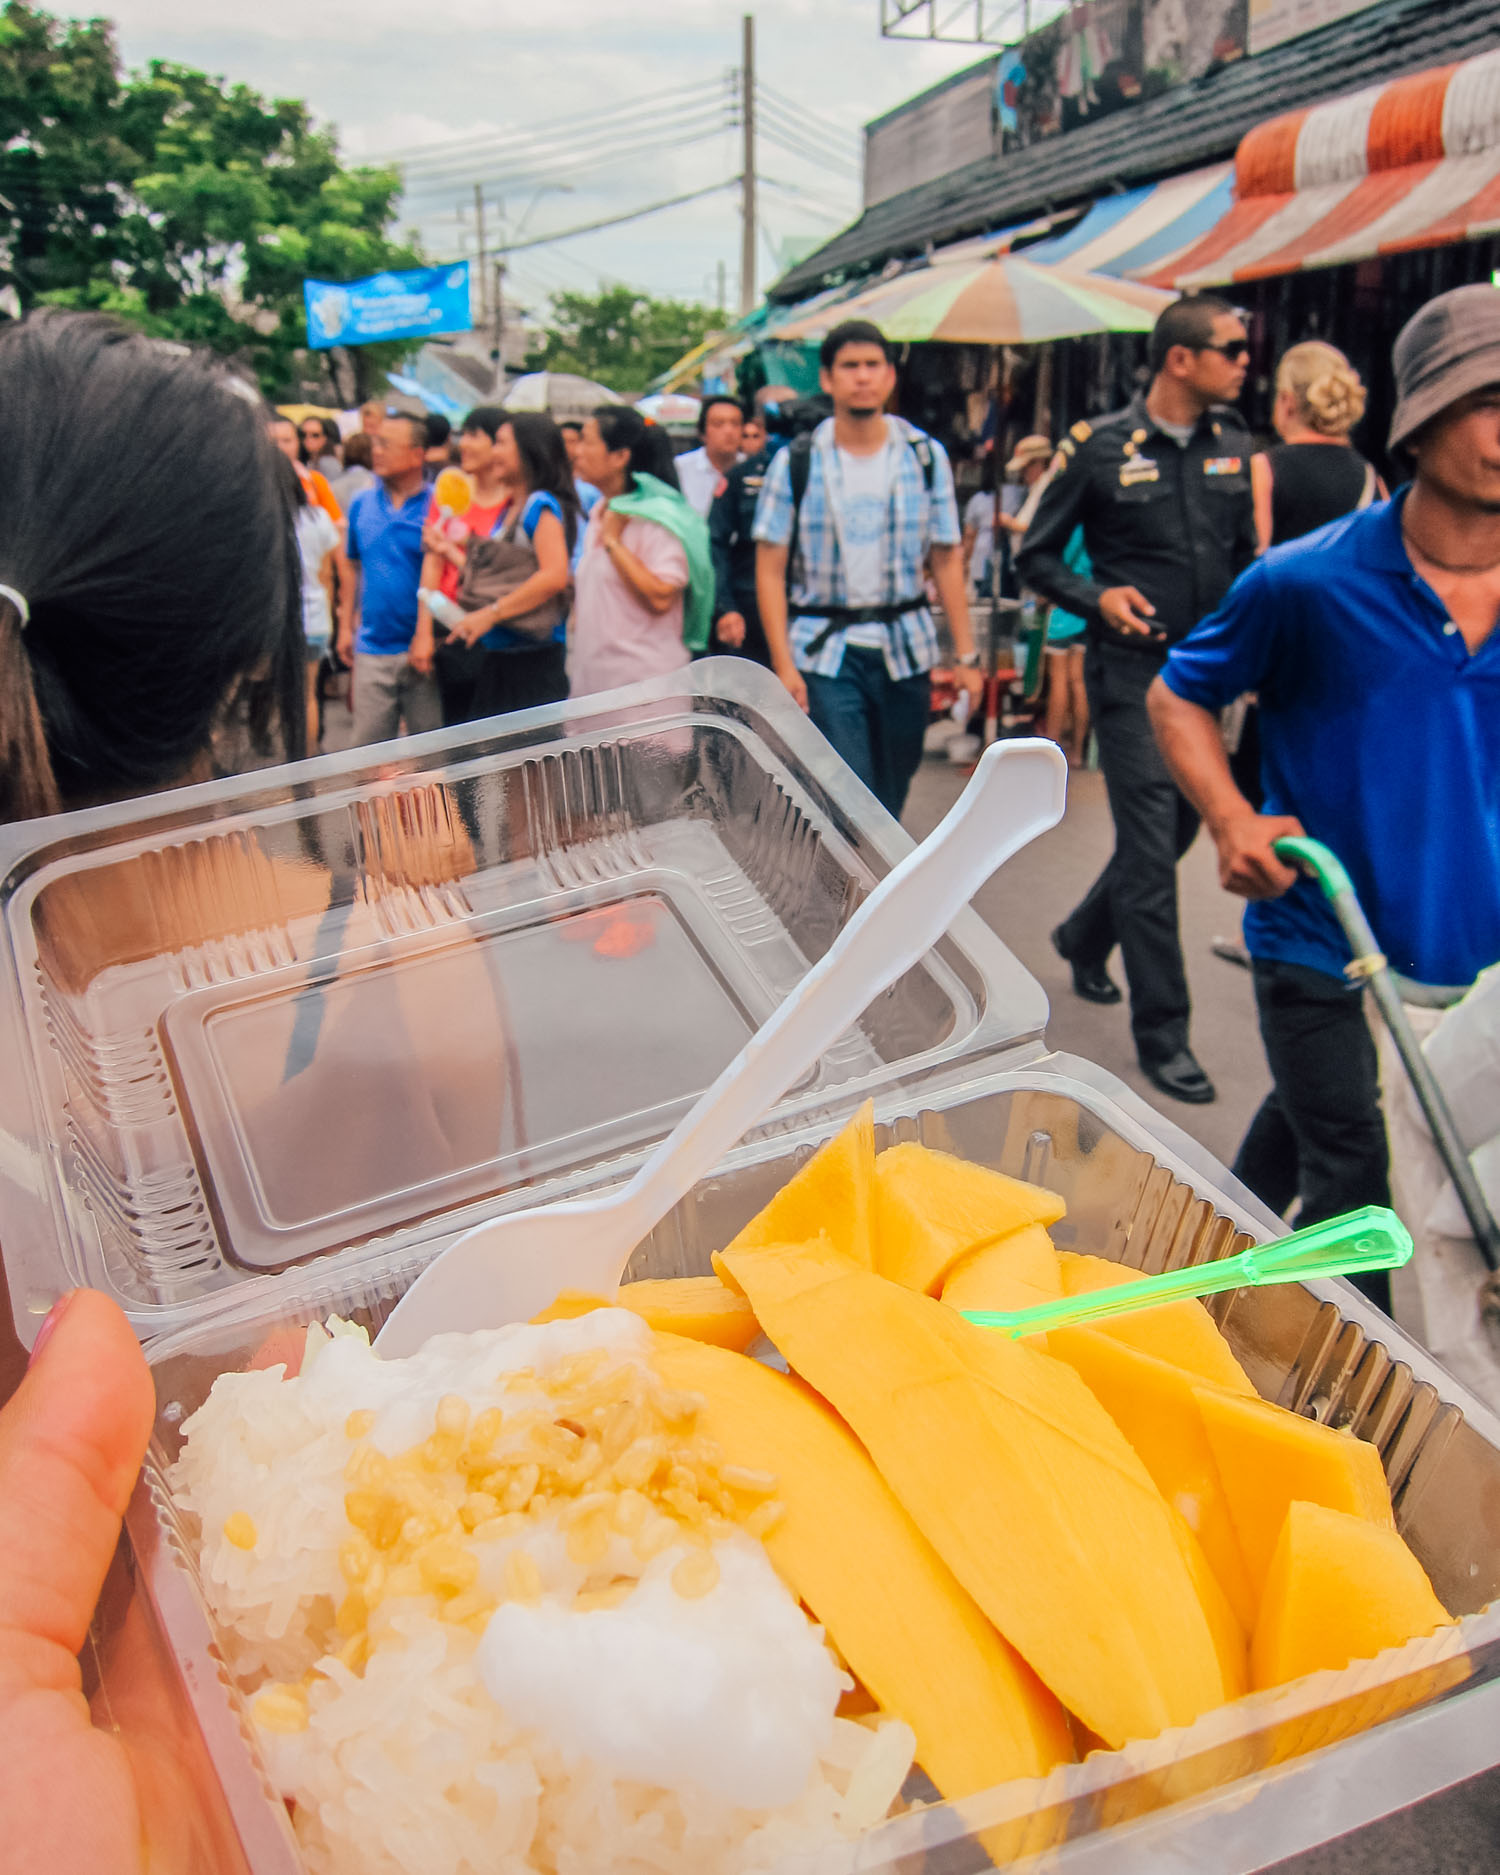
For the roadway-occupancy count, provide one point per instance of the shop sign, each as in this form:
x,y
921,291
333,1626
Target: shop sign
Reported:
x,y
410,305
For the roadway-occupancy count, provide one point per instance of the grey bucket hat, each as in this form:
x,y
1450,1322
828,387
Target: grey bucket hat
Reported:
x,y
1449,348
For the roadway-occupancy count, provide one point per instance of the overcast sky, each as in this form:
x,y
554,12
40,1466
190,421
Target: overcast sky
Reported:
x,y
391,75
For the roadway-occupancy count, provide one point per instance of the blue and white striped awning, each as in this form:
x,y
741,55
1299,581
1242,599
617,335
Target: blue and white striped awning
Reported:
x,y
1140,232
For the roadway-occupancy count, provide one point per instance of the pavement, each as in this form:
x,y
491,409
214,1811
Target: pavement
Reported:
x,y
1458,1832
1031,895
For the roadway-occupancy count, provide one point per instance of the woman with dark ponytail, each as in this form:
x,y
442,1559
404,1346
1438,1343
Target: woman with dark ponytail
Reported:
x,y
645,584
149,579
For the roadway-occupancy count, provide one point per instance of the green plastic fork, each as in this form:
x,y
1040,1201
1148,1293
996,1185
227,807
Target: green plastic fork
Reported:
x,y
1371,1239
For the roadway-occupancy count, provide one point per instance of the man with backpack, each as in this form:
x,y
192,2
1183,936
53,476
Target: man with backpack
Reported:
x,y
846,519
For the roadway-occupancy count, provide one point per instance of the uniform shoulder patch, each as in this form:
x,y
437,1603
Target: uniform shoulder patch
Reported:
x,y
1081,431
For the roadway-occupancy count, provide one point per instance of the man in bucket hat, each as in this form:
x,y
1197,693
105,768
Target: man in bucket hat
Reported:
x,y
1373,648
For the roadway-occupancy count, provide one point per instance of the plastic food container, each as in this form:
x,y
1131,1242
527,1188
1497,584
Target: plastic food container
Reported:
x,y
756,845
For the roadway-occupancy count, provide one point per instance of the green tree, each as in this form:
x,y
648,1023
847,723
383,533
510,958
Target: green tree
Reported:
x,y
192,207
619,336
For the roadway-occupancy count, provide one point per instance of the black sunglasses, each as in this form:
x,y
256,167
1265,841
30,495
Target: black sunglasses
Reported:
x,y
1233,349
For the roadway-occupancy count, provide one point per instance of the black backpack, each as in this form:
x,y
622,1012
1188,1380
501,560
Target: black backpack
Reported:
x,y
799,453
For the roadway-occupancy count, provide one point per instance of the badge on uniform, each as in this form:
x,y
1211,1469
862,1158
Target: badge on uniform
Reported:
x,y
1223,465
1138,469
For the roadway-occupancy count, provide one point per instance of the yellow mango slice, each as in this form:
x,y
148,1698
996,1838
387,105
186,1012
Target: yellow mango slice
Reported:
x,y
1231,1641
1019,1272
832,1195
1340,1588
932,1209
700,1307
890,1605
1269,1458
1183,1333
1153,1404
1017,1477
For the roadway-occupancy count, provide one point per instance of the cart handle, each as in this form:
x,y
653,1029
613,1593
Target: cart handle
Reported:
x,y
1369,966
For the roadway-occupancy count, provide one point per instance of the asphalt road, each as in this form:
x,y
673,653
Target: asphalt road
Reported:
x,y
1457,1833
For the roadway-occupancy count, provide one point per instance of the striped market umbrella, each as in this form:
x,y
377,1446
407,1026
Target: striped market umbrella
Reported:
x,y
973,296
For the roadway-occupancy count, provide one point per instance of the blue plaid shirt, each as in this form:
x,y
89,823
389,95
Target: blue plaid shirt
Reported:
x,y
916,518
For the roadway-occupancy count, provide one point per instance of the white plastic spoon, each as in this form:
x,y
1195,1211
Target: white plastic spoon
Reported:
x,y
510,1268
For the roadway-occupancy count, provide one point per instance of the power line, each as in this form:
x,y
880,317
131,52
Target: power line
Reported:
x,y
615,221
811,119
553,130
794,146
847,148
609,153
841,156
825,206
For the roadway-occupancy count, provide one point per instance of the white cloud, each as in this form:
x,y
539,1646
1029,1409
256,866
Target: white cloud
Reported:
x,y
391,77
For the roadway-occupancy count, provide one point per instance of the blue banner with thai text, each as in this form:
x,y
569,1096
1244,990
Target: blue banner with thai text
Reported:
x,y
412,305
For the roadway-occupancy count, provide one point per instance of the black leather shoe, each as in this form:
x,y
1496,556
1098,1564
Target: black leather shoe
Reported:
x,y
1181,1077
1090,981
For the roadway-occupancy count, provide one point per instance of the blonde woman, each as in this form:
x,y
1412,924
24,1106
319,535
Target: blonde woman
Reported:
x,y
1314,474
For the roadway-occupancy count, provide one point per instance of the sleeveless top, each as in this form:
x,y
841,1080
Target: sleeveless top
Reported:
x,y
1313,484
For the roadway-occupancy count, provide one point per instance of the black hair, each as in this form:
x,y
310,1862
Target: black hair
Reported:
x,y
439,429
571,423
852,332
293,488
544,463
1187,322
711,402
486,418
416,426
650,447
143,627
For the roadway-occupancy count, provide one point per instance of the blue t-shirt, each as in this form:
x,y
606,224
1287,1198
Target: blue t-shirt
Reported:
x,y
1379,731
385,542
502,638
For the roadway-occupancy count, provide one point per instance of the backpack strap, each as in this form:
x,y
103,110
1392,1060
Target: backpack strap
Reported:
x,y
799,462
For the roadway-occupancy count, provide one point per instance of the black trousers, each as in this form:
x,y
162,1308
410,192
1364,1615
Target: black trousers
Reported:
x,y
1133,902
1319,1135
520,679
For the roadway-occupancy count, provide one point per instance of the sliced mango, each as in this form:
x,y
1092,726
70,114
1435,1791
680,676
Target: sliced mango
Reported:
x,y
832,1195
890,1605
700,1307
1018,1478
1019,1272
1153,1404
1231,1642
1269,1458
932,1209
1183,1333
1340,1589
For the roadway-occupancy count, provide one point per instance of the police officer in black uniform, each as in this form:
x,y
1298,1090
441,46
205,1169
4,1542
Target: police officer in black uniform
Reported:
x,y
737,625
1161,490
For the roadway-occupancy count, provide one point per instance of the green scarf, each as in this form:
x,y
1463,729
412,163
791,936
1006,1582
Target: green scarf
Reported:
x,y
653,500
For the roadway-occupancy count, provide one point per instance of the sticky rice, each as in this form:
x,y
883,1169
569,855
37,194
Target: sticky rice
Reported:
x,y
499,1609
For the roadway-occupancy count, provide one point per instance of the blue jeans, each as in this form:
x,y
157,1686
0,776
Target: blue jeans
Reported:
x,y
876,722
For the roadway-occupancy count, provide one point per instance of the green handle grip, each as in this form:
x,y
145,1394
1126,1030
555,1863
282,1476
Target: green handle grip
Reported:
x,y
1371,1239
1312,856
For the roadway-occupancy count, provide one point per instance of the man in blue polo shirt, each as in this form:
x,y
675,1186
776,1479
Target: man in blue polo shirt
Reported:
x,y
1371,644
385,550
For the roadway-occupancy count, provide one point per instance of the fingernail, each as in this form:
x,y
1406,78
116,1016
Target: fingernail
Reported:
x,y
54,1316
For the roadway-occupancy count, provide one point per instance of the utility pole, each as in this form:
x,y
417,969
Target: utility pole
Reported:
x,y
484,280
720,283
500,328
747,178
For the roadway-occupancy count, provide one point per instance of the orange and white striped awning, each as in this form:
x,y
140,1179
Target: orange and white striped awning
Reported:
x,y
1409,164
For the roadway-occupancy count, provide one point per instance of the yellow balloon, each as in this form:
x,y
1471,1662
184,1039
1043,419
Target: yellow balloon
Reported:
x,y
452,491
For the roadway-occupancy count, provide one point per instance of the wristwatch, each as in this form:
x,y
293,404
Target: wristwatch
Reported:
x,y
968,660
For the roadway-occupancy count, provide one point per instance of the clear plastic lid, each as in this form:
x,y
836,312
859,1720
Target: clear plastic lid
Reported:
x,y
338,1011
